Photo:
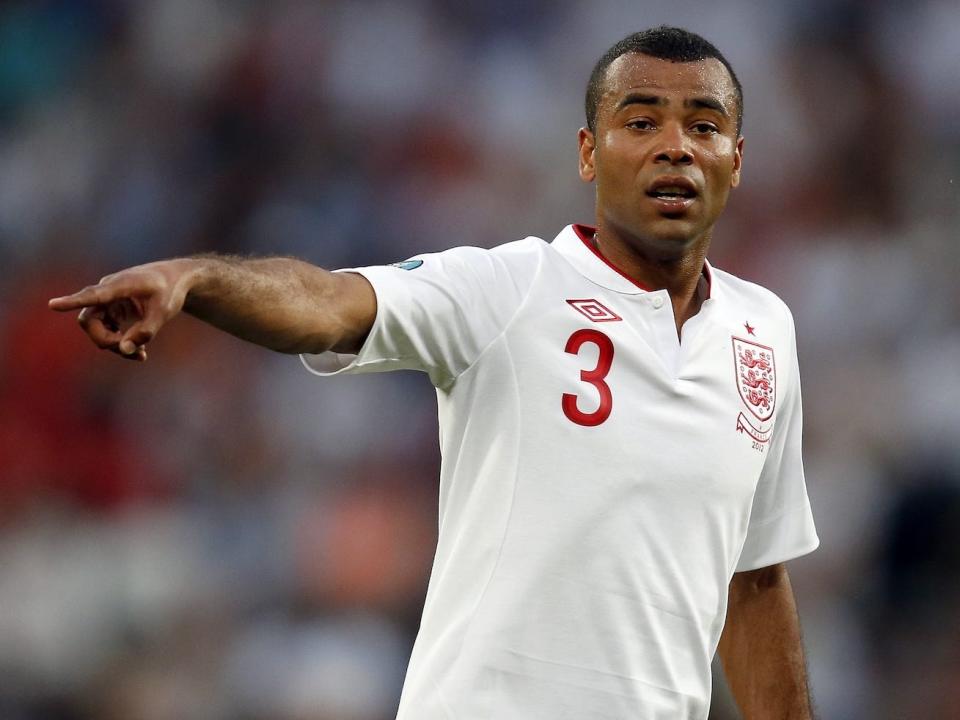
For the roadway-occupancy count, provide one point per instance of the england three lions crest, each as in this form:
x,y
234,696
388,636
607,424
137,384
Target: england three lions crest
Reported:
x,y
756,373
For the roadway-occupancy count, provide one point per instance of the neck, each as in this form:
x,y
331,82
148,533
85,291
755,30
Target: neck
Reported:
x,y
677,274
680,275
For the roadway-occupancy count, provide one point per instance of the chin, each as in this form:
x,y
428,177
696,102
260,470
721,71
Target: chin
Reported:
x,y
672,236
659,237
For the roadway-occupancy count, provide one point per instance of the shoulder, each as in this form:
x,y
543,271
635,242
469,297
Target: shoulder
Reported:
x,y
519,251
519,257
749,297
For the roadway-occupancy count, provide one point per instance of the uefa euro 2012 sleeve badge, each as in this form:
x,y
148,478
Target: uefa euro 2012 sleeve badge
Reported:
x,y
407,264
757,385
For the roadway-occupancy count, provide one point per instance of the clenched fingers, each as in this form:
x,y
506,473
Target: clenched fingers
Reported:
x,y
99,327
106,335
141,332
110,328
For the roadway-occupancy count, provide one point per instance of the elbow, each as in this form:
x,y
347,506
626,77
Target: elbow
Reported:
x,y
317,343
755,581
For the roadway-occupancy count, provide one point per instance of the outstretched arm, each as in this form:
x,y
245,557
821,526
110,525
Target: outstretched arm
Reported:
x,y
760,647
281,303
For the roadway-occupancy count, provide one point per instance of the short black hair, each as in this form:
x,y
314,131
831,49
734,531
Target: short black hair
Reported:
x,y
666,43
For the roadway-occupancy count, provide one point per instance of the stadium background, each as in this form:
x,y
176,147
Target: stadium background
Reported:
x,y
218,535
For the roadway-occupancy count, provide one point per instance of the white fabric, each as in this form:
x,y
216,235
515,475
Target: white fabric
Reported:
x,y
582,570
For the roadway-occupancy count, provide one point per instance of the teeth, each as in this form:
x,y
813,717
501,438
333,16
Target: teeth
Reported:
x,y
672,192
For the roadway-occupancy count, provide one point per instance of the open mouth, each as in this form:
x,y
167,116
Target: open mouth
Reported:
x,y
672,192
673,195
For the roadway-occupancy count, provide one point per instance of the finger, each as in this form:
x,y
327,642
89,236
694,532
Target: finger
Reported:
x,y
121,314
141,332
91,295
139,354
92,322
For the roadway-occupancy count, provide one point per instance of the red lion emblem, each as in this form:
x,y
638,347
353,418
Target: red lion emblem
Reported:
x,y
756,378
761,361
751,379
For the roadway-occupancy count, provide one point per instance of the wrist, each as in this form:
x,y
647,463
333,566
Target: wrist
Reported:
x,y
196,278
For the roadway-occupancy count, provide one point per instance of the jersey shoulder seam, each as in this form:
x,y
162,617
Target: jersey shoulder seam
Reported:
x,y
738,283
506,326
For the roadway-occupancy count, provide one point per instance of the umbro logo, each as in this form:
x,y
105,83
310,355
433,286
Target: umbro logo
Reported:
x,y
594,310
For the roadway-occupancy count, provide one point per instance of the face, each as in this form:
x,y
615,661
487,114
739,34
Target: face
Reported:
x,y
666,152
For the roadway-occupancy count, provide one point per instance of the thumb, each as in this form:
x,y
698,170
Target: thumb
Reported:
x,y
143,331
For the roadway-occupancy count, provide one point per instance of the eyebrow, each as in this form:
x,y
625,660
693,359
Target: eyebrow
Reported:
x,y
705,102
709,103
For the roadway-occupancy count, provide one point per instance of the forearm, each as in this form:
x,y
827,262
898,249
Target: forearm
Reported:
x,y
761,648
281,303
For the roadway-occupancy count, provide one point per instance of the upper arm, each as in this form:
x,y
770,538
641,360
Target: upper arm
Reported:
x,y
436,313
781,524
748,582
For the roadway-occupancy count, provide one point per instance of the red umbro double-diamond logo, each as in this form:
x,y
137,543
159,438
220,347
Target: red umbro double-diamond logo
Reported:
x,y
594,310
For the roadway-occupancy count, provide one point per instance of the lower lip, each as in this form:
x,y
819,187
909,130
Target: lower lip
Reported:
x,y
672,205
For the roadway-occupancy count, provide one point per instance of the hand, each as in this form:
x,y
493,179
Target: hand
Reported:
x,y
125,311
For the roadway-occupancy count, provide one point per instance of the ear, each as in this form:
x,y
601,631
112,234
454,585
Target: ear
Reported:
x,y
587,146
737,163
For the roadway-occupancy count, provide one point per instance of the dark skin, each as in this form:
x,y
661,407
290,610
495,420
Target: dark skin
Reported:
x,y
761,649
659,120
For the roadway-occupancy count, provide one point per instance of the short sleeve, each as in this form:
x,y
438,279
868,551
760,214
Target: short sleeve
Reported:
x,y
781,522
438,312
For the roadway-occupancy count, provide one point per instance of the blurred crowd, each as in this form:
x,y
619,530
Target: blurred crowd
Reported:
x,y
217,535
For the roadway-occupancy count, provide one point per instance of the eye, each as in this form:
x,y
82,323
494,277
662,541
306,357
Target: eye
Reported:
x,y
704,128
641,124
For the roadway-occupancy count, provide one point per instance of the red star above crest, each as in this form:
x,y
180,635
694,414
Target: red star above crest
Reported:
x,y
750,328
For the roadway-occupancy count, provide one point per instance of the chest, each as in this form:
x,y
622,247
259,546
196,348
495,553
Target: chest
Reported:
x,y
603,376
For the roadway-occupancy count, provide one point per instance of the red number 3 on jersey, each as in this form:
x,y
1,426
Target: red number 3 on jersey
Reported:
x,y
594,377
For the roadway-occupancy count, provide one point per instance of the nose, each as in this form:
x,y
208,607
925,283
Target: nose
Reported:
x,y
673,148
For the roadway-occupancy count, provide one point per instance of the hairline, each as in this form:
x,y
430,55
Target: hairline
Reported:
x,y
737,92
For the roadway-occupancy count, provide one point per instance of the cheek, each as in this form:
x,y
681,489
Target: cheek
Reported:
x,y
721,165
619,150
719,172
727,154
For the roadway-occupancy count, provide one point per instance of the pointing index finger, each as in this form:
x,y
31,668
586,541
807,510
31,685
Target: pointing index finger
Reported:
x,y
93,295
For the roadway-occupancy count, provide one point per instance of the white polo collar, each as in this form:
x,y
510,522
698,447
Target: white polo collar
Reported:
x,y
575,243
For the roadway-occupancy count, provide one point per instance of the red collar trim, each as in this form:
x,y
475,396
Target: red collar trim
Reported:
x,y
586,233
708,274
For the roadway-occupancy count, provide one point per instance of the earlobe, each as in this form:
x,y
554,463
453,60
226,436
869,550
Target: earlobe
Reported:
x,y
587,147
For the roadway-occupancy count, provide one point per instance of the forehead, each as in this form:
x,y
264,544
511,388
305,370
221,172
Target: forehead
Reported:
x,y
635,72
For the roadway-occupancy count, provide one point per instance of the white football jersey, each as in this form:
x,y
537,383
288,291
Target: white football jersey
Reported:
x,y
601,480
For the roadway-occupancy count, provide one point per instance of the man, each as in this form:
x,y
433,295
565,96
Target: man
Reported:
x,y
620,422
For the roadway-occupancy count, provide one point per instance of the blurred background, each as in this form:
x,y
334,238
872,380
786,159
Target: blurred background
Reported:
x,y
219,535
